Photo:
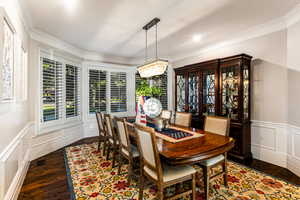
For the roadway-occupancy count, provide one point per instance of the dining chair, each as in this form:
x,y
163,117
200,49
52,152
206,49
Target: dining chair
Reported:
x,y
155,170
127,150
220,126
113,141
183,119
101,130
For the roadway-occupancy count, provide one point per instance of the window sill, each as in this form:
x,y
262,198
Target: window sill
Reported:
x,y
45,129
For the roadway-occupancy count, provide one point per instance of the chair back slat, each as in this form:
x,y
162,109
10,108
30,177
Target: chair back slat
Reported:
x,y
122,133
100,123
166,114
148,149
217,125
109,127
183,119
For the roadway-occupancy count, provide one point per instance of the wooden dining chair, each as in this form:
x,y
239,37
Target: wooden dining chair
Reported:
x,y
166,115
102,133
155,170
113,141
183,119
126,150
220,126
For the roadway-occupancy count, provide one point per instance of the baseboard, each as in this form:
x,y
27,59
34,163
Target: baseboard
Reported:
x,y
270,156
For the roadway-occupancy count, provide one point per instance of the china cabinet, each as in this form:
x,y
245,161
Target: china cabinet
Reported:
x,y
218,87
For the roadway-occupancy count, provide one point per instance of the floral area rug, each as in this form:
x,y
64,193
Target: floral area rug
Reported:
x,y
90,176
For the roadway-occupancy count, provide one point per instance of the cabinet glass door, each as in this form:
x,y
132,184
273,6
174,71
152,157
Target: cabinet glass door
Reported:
x,y
246,90
180,90
209,93
193,97
230,92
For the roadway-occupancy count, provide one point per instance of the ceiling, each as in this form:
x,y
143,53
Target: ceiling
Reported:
x,y
114,27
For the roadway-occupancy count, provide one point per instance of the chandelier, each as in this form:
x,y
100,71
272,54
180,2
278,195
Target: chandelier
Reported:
x,y
158,66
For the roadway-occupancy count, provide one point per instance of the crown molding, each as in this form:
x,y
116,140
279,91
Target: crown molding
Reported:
x,y
293,16
85,55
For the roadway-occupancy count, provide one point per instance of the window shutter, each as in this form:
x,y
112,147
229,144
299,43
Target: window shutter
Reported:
x,y
72,91
162,83
52,90
118,96
97,91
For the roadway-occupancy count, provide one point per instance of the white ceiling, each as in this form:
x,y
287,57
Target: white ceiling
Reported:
x,y
114,27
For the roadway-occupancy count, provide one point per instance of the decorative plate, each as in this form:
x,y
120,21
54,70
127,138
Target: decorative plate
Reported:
x,y
152,107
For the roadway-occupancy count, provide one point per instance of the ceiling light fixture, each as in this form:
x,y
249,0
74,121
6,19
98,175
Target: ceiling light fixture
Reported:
x,y
197,38
158,66
70,5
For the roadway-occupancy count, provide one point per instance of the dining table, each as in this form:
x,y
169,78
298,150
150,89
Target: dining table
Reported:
x,y
192,150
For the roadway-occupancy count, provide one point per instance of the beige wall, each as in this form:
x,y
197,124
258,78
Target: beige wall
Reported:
x,y
13,115
269,73
293,63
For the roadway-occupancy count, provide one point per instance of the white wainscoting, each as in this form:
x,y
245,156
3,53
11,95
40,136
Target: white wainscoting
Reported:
x,y
52,141
14,162
276,143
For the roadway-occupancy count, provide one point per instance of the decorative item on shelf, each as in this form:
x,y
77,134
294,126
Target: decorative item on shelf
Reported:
x,y
158,66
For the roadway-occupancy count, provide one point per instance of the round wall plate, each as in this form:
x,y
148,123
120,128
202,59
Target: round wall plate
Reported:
x,y
152,107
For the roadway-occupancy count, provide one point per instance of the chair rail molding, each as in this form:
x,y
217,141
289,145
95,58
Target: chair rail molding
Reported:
x,y
276,143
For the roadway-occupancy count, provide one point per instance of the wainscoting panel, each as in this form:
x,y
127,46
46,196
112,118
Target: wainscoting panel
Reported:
x,y
14,162
276,143
49,142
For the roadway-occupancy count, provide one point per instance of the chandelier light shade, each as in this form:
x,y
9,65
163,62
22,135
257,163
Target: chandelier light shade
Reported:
x,y
157,67
154,68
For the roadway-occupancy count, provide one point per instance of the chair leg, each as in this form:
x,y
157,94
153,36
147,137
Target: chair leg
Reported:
x,y
130,167
160,192
108,151
99,144
104,148
114,157
120,163
206,183
141,192
224,166
194,187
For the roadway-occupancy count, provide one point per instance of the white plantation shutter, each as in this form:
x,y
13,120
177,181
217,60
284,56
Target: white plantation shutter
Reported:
x,y
97,91
118,92
72,91
52,90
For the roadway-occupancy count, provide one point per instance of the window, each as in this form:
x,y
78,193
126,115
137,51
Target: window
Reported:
x,y
8,63
97,91
51,90
159,81
118,96
72,91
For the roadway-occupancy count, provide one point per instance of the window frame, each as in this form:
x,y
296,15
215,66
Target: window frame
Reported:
x,y
111,68
62,122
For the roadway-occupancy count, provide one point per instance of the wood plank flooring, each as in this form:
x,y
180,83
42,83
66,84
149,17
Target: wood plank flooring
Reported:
x,y
46,177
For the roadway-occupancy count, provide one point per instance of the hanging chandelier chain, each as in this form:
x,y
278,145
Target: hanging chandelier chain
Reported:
x,y
156,41
146,52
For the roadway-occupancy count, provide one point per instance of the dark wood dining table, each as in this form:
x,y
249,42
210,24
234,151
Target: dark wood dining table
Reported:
x,y
193,150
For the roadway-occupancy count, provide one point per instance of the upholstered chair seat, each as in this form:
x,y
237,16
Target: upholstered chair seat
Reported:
x,y
156,170
134,151
220,126
212,161
171,173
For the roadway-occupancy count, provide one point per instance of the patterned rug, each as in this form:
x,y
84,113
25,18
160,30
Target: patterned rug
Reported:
x,y
90,176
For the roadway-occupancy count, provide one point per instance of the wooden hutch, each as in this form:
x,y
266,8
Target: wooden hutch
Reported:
x,y
219,87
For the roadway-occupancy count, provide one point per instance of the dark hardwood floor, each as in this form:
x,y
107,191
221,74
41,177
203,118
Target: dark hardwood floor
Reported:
x,y
46,177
